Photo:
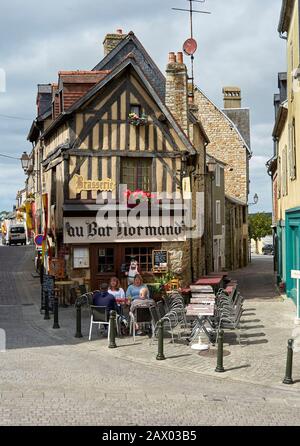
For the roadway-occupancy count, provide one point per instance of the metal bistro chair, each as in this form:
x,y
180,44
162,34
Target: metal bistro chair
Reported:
x,y
141,315
99,316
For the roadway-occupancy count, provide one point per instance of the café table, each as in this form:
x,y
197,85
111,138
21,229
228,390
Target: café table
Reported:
x,y
62,292
215,282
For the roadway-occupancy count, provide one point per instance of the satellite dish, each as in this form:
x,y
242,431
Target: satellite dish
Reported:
x,y
190,47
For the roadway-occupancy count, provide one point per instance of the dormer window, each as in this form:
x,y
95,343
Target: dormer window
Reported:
x,y
136,109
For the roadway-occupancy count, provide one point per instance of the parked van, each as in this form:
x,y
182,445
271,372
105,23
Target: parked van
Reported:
x,y
16,234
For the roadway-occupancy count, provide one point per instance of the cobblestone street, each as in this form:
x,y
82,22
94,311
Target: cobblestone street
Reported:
x,y
47,377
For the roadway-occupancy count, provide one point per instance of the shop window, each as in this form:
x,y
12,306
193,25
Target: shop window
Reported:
x,y
143,257
106,260
136,174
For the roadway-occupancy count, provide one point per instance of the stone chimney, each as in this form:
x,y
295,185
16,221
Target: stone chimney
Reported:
x,y
177,90
112,40
232,97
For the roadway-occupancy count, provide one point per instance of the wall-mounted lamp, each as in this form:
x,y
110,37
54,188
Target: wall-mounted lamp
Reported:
x,y
25,161
255,200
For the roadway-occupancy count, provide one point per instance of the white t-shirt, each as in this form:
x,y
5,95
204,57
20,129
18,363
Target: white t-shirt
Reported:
x,y
119,295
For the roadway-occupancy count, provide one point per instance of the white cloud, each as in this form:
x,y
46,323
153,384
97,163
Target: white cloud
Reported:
x,y
238,45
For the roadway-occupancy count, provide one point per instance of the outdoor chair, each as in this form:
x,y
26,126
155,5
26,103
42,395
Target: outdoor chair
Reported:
x,y
158,313
141,315
82,289
99,316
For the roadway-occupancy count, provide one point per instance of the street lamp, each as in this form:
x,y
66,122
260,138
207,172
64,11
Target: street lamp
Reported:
x,y
255,200
212,165
25,161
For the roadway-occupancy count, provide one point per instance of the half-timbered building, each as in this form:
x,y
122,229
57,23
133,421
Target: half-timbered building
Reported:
x,y
123,123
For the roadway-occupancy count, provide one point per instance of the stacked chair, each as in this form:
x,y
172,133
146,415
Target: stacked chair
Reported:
x,y
228,312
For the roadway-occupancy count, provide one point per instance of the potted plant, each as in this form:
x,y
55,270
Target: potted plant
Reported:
x,y
136,120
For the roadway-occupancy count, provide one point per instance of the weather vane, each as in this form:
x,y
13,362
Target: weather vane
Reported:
x,y
190,46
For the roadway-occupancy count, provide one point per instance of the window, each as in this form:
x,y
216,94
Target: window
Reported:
x,y
135,109
106,260
136,173
218,212
142,255
279,178
284,183
218,176
292,150
244,215
17,230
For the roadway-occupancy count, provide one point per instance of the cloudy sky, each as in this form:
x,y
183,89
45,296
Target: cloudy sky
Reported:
x,y
237,45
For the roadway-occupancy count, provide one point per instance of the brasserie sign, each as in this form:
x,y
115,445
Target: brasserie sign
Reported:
x,y
84,230
81,184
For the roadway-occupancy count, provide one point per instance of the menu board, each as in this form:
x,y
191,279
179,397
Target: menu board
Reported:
x,y
160,260
57,268
48,287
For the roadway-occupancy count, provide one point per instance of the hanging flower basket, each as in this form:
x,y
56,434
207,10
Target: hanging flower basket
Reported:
x,y
137,120
139,196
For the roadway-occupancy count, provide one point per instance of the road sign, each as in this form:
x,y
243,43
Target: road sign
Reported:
x,y
38,240
296,274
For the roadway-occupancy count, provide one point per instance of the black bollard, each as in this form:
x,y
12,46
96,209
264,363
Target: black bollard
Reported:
x,y
220,368
78,333
112,330
160,355
289,363
47,315
55,323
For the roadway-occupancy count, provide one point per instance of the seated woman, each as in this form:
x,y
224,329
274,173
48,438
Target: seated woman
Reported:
x,y
143,301
133,291
116,290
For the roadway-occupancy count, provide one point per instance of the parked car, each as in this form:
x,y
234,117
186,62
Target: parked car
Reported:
x,y
268,250
16,234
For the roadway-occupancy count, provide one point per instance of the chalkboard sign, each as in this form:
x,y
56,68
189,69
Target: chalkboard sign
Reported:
x,y
160,260
48,287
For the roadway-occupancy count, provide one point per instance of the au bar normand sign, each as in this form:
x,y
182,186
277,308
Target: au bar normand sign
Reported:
x,y
84,230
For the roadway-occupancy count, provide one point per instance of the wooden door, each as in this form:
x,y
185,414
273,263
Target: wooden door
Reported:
x,y
104,264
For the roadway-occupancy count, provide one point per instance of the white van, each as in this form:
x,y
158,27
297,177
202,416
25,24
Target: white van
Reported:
x,y
16,234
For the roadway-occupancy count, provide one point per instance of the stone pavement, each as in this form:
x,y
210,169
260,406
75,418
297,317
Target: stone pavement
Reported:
x,y
47,377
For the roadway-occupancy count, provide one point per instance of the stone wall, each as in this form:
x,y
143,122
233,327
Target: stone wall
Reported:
x,y
226,145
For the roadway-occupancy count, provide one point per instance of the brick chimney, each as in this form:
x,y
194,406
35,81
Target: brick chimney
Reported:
x,y
177,89
232,97
112,40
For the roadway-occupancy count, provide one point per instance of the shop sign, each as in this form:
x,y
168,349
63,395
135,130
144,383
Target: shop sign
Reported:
x,y
107,185
84,230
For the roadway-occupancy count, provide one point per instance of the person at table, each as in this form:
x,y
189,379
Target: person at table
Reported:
x,y
116,290
133,291
103,298
143,301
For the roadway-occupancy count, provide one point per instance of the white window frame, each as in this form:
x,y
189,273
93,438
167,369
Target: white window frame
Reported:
x,y
218,212
218,176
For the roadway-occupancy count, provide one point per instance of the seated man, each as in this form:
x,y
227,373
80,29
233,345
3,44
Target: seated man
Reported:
x,y
104,299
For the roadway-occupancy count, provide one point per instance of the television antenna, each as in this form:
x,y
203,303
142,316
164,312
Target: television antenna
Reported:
x,y
190,46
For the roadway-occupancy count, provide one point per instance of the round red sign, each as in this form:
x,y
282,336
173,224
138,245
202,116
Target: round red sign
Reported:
x,y
190,47
38,240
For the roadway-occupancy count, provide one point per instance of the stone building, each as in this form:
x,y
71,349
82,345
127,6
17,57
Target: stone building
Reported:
x,y
229,133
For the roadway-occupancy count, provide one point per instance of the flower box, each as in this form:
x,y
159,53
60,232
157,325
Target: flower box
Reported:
x,y
137,120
